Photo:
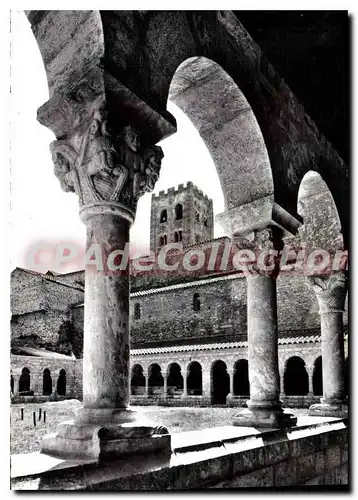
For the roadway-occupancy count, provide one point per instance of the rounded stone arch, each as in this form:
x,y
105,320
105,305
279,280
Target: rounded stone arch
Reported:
x,y
218,109
220,382
296,381
175,378
321,222
46,382
61,383
241,377
155,379
194,374
25,380
137,379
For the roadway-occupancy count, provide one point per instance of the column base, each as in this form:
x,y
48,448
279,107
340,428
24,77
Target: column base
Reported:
x,y
273,417
337,409
95,438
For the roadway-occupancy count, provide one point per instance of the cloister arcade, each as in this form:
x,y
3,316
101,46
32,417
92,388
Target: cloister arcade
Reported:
x,y
222,378
263,145
39,383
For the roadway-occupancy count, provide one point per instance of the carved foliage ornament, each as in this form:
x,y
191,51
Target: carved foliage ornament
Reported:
x,y
104,165
330,291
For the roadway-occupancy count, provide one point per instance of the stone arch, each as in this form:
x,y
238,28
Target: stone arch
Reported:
x,y
46,382
194,379
295,377
175,381
321,223
61,383
25,380
241,378
217,107
137,379
317,377
169,39
155,379
220,382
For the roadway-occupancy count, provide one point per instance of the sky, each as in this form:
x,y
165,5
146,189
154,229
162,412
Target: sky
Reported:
x,y
41,213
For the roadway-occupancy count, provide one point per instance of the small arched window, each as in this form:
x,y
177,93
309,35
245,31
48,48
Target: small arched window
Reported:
x,y
205,221
196,302
180,235
178,211
197,216
176,236
163,216
137,310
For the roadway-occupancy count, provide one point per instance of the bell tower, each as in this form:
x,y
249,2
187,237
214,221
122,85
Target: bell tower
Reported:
x,y
183,215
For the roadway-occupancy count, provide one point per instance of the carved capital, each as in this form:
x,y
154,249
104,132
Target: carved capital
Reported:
x,y
106,160
330,291
266,244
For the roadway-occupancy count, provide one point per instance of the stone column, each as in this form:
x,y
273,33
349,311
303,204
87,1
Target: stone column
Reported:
x,y
206,382
146,390
185,386
165,388
264,406
230,396
16,377
310,381
331,293
109,165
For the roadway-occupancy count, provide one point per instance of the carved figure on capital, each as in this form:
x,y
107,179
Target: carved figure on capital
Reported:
x,y
102,165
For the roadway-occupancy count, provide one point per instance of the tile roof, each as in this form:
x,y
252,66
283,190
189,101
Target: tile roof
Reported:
x,y
189,284
305,339
50,277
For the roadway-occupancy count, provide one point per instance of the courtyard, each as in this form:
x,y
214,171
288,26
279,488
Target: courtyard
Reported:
x,y
27,438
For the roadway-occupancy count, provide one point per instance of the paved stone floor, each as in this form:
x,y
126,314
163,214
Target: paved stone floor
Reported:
x,y
26,438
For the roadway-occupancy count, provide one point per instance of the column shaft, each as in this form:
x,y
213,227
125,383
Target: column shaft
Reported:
x,y
106,324
332,357
262,341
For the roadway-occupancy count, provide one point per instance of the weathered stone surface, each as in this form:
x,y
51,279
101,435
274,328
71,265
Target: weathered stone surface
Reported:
x,y
145,49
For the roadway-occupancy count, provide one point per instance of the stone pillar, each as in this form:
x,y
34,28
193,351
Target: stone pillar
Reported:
x,y
146,390
185,386
310,381
206,383
109,164
165,388
230,396
54,377
331,293
264,406
16,377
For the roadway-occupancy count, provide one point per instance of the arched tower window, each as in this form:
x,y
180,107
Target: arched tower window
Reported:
x,y
176,236
196,302
180,235
205,221
163,216
137,310
178,211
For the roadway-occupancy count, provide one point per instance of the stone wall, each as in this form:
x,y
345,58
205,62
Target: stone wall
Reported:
x,y
167,315
313,453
